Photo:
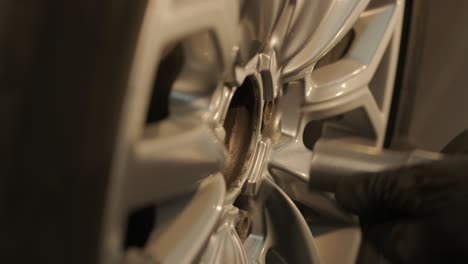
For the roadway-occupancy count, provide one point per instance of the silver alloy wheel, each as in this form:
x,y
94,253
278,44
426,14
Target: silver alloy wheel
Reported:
x,y
226,164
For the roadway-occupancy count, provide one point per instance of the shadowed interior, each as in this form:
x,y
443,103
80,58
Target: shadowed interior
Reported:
x,y
240,129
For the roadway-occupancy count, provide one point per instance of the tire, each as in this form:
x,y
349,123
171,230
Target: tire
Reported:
x,y
63,74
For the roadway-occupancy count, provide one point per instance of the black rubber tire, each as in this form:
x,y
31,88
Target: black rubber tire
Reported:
x,y
63,72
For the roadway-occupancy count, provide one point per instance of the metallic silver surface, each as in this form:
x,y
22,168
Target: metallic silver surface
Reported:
x,y
255,136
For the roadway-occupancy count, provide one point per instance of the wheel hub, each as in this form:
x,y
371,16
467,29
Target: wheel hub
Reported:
x,y
250,122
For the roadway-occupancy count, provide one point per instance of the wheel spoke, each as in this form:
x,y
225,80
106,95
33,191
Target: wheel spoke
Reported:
x,y
171,158
278,227
182,240
257,24
333,18
340,245
360,99
293,159
186,17
373,32
225,243
347,84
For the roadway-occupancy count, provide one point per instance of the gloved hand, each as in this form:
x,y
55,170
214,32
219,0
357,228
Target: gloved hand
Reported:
x,y
415,214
